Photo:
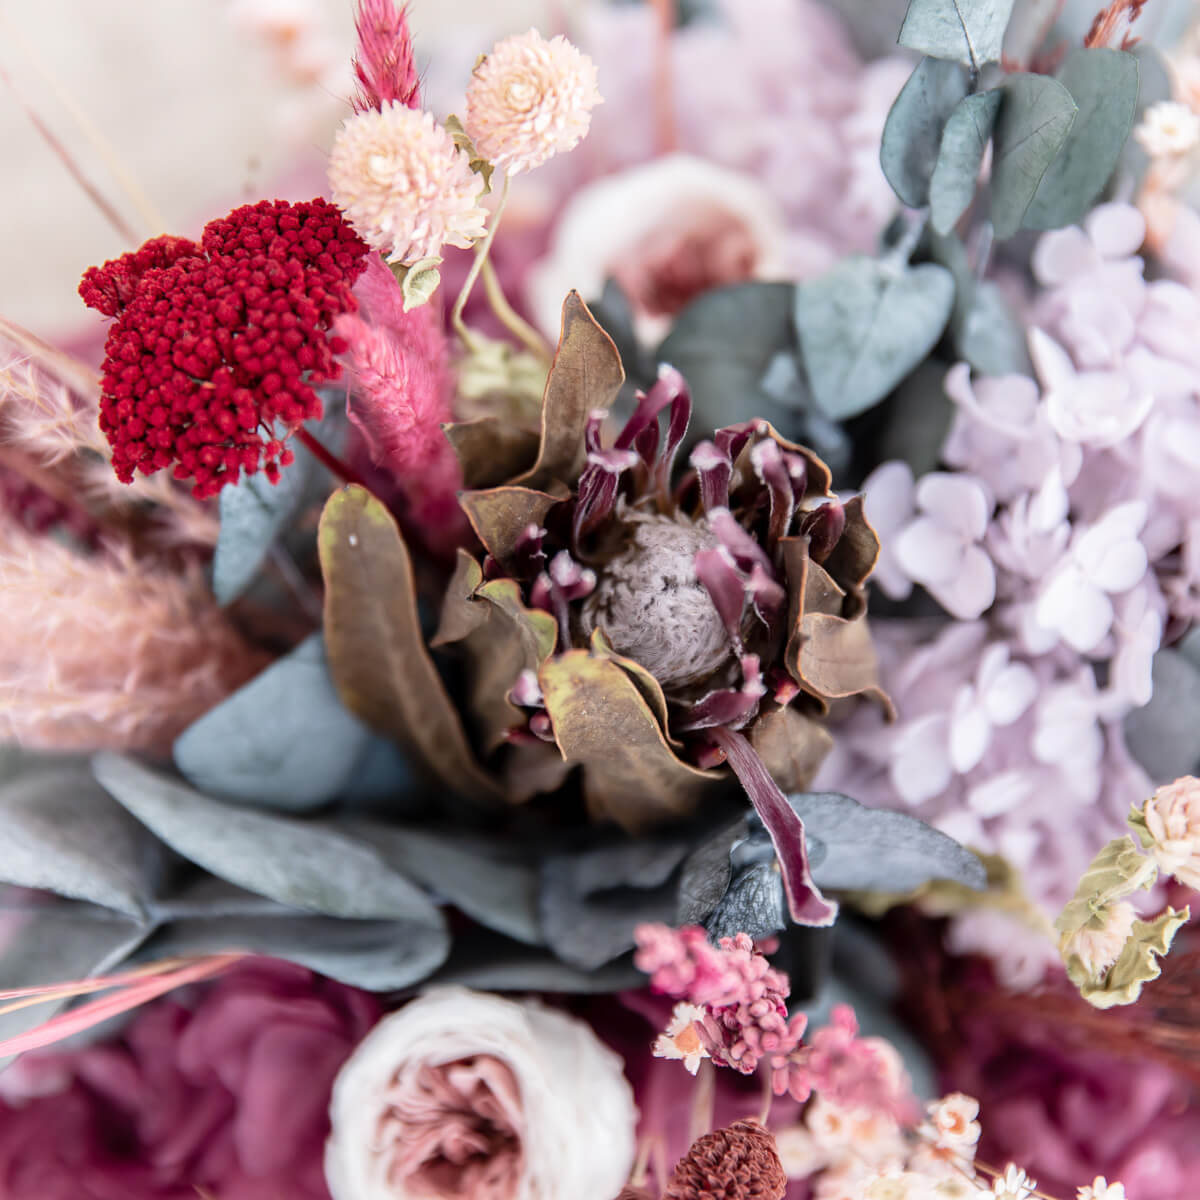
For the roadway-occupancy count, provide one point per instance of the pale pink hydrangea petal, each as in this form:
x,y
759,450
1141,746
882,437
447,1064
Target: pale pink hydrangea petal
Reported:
x,y
1169,320
887,505
1002,792
928,552
1049,506
1051,361
1109,553
958,502
1097,326
1116,230
1010,694
970,731
920,766
1074,608
1063,255
971,591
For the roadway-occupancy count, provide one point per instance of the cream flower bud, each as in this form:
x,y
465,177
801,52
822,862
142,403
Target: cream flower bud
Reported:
x,y
952,1121
1098,947
404,185
464,1094
1172,818
530,99
1168,129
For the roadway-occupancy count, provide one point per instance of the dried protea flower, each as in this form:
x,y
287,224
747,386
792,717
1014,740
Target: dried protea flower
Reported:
x,y
736,1163
652,627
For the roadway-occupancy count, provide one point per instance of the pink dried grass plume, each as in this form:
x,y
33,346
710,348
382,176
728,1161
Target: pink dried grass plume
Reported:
x,y
106,651
384,62
401,385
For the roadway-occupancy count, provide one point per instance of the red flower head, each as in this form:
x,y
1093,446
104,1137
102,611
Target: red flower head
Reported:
x,y
217,345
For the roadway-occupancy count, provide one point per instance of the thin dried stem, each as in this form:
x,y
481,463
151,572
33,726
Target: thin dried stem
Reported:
x,y
510,318
482,250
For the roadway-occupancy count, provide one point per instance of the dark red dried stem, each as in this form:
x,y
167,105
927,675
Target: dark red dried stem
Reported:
x,y
328,459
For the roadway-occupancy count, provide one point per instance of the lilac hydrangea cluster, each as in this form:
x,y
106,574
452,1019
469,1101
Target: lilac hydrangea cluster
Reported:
x,y
1063,537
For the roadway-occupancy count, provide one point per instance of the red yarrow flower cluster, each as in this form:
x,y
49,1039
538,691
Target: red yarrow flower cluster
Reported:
x,y
217,345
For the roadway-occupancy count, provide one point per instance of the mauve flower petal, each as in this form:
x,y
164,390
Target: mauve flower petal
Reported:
x,y
928,552
1116,230
1063,255
1052,363
957,502
1011,693
1002,792
969,593
970,731
1097,407
920,766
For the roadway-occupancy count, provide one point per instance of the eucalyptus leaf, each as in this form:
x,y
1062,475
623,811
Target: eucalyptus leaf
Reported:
x,y
284,740
1036,116
1104,85
378,955
705,874
959,158
914,128
591,901
487,879
876,850
1164,735
970,32
754,904
254,511
304,864
62,833
865,325
989,335
723,342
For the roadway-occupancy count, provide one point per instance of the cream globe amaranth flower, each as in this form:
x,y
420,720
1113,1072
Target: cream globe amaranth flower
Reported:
x,y
1014,1184
1101,1189
529,99
466,1094
1172,817
1168,129
404,185
952,1121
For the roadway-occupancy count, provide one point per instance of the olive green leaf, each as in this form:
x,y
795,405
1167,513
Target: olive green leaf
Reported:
x,y
586,375
1117,871
377,656
461,613
865,325
913,132
1036,116
418,281
500,516
1104,85
491,449
970,32
601,722
959,158
791,745
1138,963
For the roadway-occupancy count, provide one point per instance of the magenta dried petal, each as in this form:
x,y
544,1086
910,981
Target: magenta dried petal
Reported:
x,y
716,571
713,469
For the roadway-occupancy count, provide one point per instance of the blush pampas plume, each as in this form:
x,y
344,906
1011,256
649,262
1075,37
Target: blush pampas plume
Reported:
x,y
105,651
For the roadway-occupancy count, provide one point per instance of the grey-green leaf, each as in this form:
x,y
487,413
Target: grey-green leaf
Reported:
x,y
302,863
285,740
1104,85
865,325
1036,116
1164,735
876,850
62,833
970,32
959,158
915,124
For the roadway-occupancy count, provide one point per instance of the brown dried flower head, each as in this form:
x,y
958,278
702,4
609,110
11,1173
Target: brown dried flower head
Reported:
x,y
736,1163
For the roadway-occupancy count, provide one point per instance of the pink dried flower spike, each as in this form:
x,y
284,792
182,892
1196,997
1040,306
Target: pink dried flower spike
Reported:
x,y
383,62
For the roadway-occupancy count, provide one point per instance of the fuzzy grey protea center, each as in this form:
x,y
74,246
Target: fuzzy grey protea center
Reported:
x,y
651,606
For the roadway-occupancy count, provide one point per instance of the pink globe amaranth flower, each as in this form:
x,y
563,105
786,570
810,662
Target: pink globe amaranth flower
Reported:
x,y
404,185
227,1093
1172,817
530,99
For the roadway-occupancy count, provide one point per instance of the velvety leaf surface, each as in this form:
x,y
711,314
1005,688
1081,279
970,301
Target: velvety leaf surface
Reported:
x,y
970,32
491,450
869,849
376,652
865,325
914,129
1036,116
586,374
1104,85
959,157
63,833
601,721
501,515
285,740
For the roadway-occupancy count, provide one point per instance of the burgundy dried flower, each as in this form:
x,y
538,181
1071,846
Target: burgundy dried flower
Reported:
x,y
739,1162
216,346
383,62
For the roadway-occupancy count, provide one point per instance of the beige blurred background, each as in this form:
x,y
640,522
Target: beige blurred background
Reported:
x,y
206,104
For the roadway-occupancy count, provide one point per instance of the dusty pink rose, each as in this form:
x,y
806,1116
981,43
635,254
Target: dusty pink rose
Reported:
x,y
227,1093
1173,821
464,1094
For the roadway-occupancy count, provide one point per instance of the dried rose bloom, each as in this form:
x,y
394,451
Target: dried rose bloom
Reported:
x,y
648,625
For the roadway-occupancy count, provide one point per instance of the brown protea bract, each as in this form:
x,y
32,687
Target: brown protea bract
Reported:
x,y
736,1163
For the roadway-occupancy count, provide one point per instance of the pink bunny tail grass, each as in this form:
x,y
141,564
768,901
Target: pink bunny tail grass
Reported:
x,y
105,651
134,988
383,62
398,364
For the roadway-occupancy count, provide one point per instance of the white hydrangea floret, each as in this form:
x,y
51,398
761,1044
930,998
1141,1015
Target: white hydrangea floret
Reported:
x,y
404,185
530,99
